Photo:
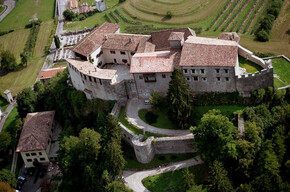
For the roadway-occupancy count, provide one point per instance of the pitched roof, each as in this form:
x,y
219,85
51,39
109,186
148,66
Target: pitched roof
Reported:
x,y
49,73
233,36
199,51
35,131
176,36
95,39
124,42
160,38
85,67
153,62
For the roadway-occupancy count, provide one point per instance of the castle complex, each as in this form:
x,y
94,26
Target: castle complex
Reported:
x,y
113,66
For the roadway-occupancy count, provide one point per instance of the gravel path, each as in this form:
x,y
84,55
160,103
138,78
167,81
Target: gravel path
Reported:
x,y
133,179
134,105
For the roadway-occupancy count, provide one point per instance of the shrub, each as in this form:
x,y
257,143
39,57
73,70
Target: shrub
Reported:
x,y
33,23
5,32
157,100
168,14
56,41
161,158
151,117
262,36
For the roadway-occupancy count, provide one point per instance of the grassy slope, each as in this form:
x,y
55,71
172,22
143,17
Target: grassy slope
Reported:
x,y
162,121
173,181
25,10
11,119
282,69
248,65
15,42
2,9
3,104
16,81
132,163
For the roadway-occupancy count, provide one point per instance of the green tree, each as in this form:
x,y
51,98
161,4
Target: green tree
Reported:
x,y
69,15
262,36
26,101
278,140
7,176
38,87
219,178
56,41
24,58
188,178
117,186
253,135
7,61
215,137
5,141
157,100
179,97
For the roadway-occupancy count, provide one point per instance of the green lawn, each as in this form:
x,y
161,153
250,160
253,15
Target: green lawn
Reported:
x,y
282,69
17,80
3,103
278,83
60,64
173,181
226,110
2,9
15,42
249,65
26,10
132,163
162,120
134,129
11,120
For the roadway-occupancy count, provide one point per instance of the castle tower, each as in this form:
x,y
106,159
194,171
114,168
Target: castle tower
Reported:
x,y
101,5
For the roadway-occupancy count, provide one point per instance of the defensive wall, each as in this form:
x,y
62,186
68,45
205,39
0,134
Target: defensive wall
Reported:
x,y
250,82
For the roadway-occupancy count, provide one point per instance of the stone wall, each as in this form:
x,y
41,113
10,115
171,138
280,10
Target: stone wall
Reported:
x,y
251,57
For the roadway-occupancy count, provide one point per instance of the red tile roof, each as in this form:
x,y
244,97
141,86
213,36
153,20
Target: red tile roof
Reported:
x,y
124,42
35,132
154,62
95,39
160,38
49,73
199,51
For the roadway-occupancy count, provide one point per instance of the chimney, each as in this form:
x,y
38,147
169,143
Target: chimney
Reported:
x,y
176,40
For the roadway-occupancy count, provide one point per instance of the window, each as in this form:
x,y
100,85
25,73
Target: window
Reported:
x,y
218,79
132,53
185,71
124,60
85,77
140,77
115,61
163,76
195,78
227,79
100,81
29,160
98,55
122,52
217,70
187,78
202,71
192,71
149,77
226,71
33,154
42,159
95,80
100,63
112,52
204,79
27,154
90,78
40,153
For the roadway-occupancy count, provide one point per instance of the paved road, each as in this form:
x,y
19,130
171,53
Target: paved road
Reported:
x,y
134,105
10,6
134,179
6,113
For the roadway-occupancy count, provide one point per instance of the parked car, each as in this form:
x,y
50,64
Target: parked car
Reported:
x,y
20,182
29,170
147,102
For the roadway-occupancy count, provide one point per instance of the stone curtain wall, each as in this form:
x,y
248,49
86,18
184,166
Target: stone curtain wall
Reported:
x,y
251,57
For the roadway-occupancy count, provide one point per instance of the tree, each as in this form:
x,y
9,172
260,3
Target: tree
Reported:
x,y
215,137
7,176
188,178
5,141
5,187
69,15
26,101
24,58
179,97
157,100
219,178
278,140
253,135
117,186
7,61
262,36
56,41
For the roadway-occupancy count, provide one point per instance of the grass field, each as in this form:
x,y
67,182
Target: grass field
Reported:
x,y
282,69
15,42
11,120
16,81
26,10
173,181
248,65
132,163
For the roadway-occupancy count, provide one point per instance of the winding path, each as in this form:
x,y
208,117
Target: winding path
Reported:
x,y
133,179
134,105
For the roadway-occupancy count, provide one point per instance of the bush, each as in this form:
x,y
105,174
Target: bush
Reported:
x,y
262,55
262,36
56,41
69,15
33,23
157,100
151,117
5,32
168,14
